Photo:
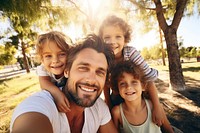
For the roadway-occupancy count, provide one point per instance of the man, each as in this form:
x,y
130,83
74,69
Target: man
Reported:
x,y
87,70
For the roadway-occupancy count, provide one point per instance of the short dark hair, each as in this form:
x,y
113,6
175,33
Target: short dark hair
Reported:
x,y
94,42
119,69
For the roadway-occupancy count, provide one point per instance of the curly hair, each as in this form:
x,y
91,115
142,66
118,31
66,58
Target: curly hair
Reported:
x,y
119,69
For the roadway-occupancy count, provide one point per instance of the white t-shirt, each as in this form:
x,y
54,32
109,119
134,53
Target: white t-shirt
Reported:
x,y
42,102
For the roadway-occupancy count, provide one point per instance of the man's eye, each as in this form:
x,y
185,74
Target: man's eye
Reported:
x,y
101,73
82,68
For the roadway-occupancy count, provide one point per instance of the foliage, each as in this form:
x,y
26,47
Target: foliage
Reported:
x,y
145,53
7,53
189,52
153,52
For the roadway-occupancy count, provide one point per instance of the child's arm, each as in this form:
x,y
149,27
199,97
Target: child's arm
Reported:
x,y
106,92
116,116
157,114
60,99
166,126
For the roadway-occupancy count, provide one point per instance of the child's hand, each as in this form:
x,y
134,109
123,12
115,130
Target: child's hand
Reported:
x,y
62,102
157,116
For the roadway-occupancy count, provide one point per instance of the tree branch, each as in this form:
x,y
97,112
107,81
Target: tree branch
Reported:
x,y
78,8
180,6
160,15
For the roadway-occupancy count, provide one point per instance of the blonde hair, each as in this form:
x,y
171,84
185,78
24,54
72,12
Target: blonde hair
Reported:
x,y
63,42
116,21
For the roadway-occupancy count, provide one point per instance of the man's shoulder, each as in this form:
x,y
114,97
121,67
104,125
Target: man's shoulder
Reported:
x,y
99,106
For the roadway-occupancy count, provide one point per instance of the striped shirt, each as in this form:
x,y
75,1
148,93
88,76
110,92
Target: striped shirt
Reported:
x,y
148,74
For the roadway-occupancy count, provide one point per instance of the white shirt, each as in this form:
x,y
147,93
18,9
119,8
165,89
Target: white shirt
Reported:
x,y
42,102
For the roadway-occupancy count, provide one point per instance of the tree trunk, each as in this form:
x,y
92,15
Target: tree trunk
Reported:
x,y
175,70
162,49
25,58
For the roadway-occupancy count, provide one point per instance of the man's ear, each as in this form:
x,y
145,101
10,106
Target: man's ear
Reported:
x,y
66,73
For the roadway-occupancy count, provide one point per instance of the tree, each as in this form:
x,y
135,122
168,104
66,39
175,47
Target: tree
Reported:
x,y
7,54
25,17
171,12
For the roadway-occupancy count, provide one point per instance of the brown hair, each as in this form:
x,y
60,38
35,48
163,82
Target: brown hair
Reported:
x,y
116,21
94,42
119,69
62,41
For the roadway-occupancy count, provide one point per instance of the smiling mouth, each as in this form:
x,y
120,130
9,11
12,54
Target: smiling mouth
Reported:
x,y
87,88
130,93
56,66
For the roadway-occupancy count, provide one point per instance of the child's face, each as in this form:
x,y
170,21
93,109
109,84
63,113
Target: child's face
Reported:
x,y
54,59
129,88
114,35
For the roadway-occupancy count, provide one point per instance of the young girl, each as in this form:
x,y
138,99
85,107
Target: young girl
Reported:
x,y
52,49
117,32
134,114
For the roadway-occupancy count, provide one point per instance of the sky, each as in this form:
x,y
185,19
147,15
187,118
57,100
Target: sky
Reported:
x,y
189,31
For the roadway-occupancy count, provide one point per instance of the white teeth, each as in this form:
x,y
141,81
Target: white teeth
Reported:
x,y
130,93
86,89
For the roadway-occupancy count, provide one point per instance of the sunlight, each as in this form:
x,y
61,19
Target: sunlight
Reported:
x,y
94,4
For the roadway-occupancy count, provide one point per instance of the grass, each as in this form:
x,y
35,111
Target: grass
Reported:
x,y
14,90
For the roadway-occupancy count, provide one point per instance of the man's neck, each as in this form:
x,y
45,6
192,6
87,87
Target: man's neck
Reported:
x,y
75,118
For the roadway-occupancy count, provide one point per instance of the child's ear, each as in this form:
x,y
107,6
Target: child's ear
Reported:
x,y
66,73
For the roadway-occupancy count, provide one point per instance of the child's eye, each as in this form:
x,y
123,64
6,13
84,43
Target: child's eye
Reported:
x,y
106,39
134,82
47,56
122,84
62,55
119,37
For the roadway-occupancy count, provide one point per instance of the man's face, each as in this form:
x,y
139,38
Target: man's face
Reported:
x,y
87,77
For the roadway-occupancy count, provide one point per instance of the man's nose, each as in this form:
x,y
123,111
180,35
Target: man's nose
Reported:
x,y
91,77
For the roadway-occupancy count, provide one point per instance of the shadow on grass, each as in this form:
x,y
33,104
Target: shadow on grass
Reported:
x,y
185,120
192,69
192,91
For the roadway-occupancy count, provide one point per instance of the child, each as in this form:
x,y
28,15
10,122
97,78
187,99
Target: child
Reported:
x,y
117,32
52,49
134,114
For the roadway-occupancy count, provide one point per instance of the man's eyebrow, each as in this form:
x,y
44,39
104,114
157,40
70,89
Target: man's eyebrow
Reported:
x,y
87,64
84,63
103,69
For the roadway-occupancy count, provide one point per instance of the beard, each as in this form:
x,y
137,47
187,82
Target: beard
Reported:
x,y
85,101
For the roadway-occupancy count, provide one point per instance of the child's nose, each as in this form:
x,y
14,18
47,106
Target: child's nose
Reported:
x,y
55,59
